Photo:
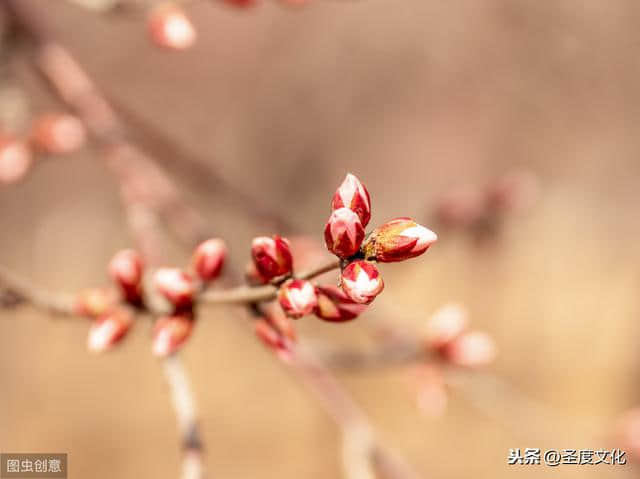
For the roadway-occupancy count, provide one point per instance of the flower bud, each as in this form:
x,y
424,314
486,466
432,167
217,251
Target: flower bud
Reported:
x,y
170,28
471,349
444,326
15,160
297,298
343,233
58,134
353,195
94,302
397,240
335,306
107,330
271,256
170,333
176,286
208,259
361,281
126,268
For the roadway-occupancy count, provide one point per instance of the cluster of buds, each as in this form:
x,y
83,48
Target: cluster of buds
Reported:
x,y
359,281
169,27
51,134
446,335
174,288
481,210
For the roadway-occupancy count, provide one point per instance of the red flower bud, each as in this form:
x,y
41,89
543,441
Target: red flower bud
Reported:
x,y
353,195
271,256
170,333
126,268
397,240
58,133
343,233
446,324
208,259
15,159
471,349
170,28
176,286
107,330
94,302
361,281
297,298
335,306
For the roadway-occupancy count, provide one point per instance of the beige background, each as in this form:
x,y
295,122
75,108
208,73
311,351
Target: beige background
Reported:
x,y
414,96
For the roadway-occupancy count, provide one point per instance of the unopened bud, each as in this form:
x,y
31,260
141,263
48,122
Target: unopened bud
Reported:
x,y
446,324
297,298
271,256
471,349
170,333
176,286
94,302
361,281
58,134
343,233
126,269
335,306
109,329
208,259
15,159
170,28
398,240
352,194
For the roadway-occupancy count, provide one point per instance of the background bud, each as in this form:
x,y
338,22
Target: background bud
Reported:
x,y
15,160
58,133
398,240
208,259
94,302
335,306
109,329
343,233
170,28
444,325
353,195
170,333
361,281
271,256
175,285
126,268
471,349
297,298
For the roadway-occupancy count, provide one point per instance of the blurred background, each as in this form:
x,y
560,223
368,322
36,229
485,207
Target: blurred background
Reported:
x,y
417,98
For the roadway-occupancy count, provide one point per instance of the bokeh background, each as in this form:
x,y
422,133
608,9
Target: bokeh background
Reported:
x,y
415,97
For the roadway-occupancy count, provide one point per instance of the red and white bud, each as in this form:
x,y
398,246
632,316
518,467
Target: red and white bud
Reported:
x,y
271,256
352,194
170,333
109,329
15,159
446,324
177,286
398,240
94,302
471,349
361,281
169,27
335,306
297,298
126,269
208,259
343,233
58,134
